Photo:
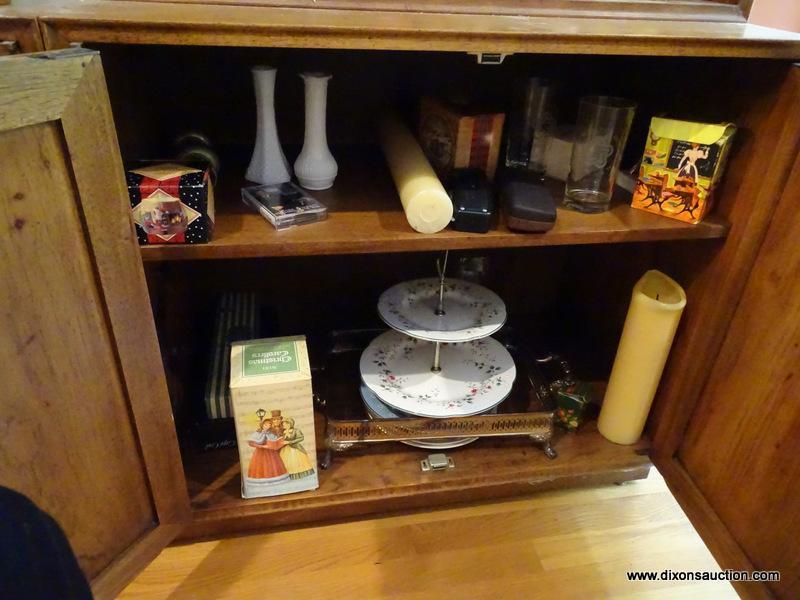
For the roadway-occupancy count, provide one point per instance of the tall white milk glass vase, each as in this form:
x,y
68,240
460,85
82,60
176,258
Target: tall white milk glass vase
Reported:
x,y
315,167
268,165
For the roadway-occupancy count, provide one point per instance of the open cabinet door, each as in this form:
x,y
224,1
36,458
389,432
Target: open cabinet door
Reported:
x,y
741,447
85,419
734,466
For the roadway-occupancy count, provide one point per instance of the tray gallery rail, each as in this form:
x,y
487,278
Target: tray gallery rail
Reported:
x,y
341,435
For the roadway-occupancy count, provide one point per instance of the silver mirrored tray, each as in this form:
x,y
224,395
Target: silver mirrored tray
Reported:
x,y
469,311
473,378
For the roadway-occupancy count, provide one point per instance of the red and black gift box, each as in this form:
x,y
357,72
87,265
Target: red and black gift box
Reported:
x,y
171,203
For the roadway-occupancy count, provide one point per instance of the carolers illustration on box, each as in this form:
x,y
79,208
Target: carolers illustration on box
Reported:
x,y
270,386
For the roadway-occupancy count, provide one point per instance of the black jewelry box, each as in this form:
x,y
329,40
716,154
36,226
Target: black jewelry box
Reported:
x,y
473,205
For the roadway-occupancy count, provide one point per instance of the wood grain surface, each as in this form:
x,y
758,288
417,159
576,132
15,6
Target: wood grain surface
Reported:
x,y
98,178
563,544
88,406
68,441
36,91
132,561
365,216
756,177
711,528
744,436
388,478
23,33
65,21
688,10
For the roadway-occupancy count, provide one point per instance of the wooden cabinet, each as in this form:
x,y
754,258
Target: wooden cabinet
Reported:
x,y
87,426
19,34
685,10
134,323
739,445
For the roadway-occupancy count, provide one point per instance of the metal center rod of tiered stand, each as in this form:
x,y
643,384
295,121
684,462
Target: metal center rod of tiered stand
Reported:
x,y
441,266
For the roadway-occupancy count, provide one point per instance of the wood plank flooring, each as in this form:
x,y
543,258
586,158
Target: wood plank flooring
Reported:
x,y
564,544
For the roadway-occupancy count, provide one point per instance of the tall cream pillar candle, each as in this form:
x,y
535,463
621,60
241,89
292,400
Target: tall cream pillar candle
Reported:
x,y
428,207
656,306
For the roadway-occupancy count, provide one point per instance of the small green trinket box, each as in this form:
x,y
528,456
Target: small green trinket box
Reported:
x,y
572,404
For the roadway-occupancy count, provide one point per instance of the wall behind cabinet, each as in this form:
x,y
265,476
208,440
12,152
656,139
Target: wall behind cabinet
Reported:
x,y
783,14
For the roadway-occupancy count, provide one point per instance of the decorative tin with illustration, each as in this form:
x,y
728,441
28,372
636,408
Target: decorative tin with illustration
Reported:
x,y
682,164
573,403
171,203
455,137
274,416
553,384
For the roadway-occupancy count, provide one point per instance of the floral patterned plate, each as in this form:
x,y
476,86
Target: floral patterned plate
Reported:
x,y
378,410
475,377
471,311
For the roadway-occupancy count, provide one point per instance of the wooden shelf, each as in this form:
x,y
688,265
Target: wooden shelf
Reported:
x,y
387,477
365,216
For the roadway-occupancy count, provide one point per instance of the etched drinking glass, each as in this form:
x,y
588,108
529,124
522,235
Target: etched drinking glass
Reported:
x,y
600,135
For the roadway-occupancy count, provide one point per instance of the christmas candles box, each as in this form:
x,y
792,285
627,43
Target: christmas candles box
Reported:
x,y
457,137
274,416
682,164
171,203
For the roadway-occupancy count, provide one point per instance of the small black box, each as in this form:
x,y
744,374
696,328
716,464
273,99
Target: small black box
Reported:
x,y
473,205
529,206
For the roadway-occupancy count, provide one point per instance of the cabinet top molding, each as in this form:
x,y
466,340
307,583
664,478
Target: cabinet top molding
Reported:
x,y
191,23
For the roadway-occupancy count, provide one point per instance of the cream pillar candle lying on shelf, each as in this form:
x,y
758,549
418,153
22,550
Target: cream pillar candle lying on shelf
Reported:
x,y
656,306
428,207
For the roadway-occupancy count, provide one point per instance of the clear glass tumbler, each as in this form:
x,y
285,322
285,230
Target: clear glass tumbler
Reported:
x,y
600,135
532,118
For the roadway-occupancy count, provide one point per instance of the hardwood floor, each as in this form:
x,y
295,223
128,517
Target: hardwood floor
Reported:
x,y
564,544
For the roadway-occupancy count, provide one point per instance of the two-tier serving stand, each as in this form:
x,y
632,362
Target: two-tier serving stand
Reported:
x,y
436,378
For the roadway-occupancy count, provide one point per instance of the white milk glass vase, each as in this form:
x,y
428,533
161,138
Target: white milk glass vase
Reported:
x,y
268,165
316,168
